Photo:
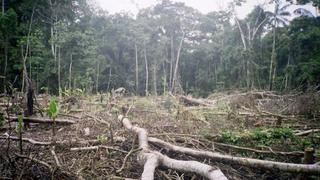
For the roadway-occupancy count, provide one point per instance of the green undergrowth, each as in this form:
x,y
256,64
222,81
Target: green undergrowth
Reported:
x,y
282,138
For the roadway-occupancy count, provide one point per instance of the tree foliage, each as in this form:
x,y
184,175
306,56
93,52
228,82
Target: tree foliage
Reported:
x,y
71,45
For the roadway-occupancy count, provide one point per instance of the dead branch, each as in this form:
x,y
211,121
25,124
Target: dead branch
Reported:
x,y
55,157
126,158
69,115
96,148
254,163
303,133
36,161
42,120
97,119
152,159
294,153
61,143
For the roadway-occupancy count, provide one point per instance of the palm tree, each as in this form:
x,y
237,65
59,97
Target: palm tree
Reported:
x,y
277,18
280,18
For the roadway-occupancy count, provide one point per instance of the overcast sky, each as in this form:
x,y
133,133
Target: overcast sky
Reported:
x,y
204,6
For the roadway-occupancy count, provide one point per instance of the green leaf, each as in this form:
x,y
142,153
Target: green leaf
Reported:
x,y
52,109
20,124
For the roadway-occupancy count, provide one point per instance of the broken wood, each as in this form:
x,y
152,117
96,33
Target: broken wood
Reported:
x,y
309,156
42,120
250,162
192,101
152,159
304,133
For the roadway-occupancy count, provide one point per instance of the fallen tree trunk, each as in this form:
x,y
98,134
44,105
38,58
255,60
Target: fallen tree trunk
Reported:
x,y
254,163
42,120
153,159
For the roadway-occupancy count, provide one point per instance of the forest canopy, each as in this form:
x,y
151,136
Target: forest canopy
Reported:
x,y
62,45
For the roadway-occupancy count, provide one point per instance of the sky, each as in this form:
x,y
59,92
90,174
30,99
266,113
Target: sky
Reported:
x,y
204,6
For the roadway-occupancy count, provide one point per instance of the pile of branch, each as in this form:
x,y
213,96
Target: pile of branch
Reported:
x,y
152,159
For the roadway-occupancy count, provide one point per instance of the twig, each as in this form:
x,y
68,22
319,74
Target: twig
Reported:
x,y
97,119
55,157
126,158
36,161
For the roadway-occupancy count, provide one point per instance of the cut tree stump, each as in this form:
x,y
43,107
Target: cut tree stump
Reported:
x,y
42,120
152,159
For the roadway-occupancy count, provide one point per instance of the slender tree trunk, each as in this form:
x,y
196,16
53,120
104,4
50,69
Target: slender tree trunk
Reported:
x,y
3,6
137,69
177,64
147,71
25,55
97,76
155,79
287,73
109,81
55,58
30,65
59,71
248,74
171,62
164,78
70,72
37,80
273,54
5,66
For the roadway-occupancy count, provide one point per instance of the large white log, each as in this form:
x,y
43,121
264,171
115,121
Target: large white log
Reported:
x,y
152,159
255,163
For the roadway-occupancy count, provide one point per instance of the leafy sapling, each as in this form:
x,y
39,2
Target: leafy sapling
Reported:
x,y
52,112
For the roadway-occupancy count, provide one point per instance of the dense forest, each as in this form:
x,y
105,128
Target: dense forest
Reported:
x,y
167,93
167,47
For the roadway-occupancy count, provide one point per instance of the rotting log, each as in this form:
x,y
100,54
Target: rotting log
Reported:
x,y
152,159
42,120
250,162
